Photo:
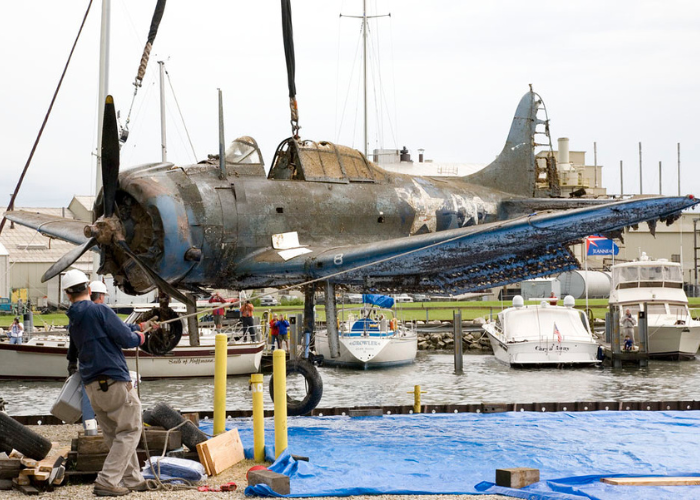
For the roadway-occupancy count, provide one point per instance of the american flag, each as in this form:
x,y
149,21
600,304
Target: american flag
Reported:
x,y
557,333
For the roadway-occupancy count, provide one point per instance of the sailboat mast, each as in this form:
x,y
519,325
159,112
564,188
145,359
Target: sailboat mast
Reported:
x,y
103,86
364,66
163,145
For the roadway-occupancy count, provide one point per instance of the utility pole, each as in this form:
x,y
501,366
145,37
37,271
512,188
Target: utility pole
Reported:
x,y
622,182
641,190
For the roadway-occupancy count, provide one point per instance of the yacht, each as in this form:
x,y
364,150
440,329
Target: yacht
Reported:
x,y
542,334
656,286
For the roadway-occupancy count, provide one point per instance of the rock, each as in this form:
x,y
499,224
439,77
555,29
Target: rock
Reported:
x,y
479,321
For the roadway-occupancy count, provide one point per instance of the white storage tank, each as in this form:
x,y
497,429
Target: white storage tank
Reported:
x,y
574,283
539,288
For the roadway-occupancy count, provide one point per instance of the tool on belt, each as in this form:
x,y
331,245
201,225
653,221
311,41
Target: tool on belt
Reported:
x,y
104,384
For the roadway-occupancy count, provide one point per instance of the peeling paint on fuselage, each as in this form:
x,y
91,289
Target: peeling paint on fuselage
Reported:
x,y
230,227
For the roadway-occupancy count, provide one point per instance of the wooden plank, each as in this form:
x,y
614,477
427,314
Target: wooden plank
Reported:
x,y
156,440
47,464
652,481
221,452
92,445
517,477
28,462
20,480
9,467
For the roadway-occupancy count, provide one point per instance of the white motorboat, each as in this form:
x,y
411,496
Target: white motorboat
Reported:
x,y
657,287
542,334
44,357
373,339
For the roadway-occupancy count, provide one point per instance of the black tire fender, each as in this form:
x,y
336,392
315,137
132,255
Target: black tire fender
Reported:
x,y
167,417
314,388
16,436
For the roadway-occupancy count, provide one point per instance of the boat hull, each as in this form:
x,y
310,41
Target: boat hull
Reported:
x,y
370,351
46,360
546,353
673,341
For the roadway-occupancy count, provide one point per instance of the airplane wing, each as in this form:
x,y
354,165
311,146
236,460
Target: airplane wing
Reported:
x,y
466,259
70,230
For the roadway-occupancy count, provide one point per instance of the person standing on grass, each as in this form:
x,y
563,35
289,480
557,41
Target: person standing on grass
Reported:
x,y
274,330
282,328
248,322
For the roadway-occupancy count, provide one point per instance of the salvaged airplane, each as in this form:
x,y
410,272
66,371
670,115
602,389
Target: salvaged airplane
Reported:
x,y
326,213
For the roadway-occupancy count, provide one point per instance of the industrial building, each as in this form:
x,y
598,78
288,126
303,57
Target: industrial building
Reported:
x,y
30,254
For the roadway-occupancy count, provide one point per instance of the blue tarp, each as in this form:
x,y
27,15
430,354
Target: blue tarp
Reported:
x,y
378,300
459,453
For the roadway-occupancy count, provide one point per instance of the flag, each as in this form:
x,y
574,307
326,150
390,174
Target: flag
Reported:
x,y
557,333
598,245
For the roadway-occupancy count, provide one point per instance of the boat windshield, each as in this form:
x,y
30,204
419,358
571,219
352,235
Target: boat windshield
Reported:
x,y
661,275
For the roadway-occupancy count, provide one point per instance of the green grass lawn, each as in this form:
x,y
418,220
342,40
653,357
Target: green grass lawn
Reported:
x,y
407,312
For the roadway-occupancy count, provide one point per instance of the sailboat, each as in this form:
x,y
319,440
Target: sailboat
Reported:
x,y
372,338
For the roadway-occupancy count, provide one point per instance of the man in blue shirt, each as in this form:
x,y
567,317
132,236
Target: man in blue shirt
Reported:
x,y
98,336
282,327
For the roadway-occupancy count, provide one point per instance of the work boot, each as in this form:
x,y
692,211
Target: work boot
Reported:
x,y
142,486
102,490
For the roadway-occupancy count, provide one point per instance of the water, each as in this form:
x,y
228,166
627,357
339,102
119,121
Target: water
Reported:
x,y
484,380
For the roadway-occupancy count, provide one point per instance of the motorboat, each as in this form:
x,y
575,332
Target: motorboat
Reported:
x,y
44,356
371,337
542,334
656,286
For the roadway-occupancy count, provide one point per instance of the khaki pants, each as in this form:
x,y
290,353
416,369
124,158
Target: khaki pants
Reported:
x,y
119,414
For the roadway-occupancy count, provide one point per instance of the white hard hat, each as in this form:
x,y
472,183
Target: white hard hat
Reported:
x,y
73,278
98,287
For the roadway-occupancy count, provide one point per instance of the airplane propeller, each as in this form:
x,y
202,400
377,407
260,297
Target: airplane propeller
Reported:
x,y
107,230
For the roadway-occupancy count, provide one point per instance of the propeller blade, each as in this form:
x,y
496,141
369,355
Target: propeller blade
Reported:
x,y
110,157
157,280
67,260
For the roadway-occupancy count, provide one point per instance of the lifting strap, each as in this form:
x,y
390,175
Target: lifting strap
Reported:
x,y
288,37
141,72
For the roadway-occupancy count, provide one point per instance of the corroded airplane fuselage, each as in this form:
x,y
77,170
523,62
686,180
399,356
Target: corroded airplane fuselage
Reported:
x,y
176,212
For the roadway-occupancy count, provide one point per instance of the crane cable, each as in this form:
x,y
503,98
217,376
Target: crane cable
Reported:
x,y
288,37
138,81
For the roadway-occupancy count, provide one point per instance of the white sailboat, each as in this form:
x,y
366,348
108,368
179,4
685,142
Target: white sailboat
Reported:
x,y
375,338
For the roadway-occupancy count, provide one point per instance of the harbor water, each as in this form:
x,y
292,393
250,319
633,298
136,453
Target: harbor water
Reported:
x,y
484,380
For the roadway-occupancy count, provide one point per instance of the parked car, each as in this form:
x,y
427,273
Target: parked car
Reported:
x,y
421,297
353,298
269,301
403,298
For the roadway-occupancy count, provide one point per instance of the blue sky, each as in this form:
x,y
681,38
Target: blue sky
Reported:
x,y
616,73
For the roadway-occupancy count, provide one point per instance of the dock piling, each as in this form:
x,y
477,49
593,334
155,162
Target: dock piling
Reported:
x,y
256,384
279,373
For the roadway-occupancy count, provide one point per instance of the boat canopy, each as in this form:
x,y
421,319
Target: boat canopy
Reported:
x,y
648,274
378,300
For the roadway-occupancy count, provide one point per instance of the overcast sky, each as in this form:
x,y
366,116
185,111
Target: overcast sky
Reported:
x,y
452,72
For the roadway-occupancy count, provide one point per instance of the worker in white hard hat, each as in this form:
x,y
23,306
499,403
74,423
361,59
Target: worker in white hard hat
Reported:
x,y
98,290
97,337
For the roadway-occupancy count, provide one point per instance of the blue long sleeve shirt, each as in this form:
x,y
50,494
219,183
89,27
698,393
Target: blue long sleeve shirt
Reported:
x,y
98,336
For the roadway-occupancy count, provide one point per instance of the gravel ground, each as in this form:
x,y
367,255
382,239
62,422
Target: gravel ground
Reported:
x,y
63,434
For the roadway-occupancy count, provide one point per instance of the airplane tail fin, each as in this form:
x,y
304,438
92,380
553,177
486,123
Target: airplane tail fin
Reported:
x,y
516,170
